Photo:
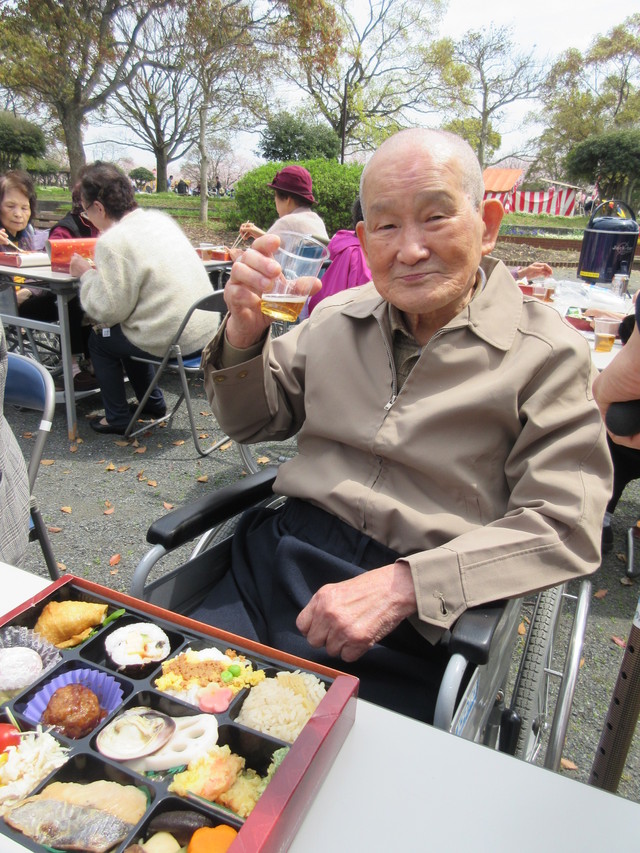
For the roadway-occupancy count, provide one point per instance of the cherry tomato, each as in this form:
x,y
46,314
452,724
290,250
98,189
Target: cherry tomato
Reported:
x,y
9,736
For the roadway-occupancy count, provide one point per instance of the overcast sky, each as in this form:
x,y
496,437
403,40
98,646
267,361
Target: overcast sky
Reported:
x,y
548,26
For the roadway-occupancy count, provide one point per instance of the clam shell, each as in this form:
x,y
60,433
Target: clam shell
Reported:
x,y
135,733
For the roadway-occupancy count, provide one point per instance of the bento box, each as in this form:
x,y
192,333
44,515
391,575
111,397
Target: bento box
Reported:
x,y
213,253
140,722
60,252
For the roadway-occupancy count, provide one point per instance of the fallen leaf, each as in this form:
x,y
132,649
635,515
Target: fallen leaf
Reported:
x,y
109,511
135,443
62,567
110,467
566,764
47,461
203,479
527,620
167,505
101,461
522,629
263,460
621,557
152,483
113,561
66,509
114,571
121,443
27,435
205,414
226,446
581,663
108,503
123,468
600,593
73,448
79,440
54,529
626,580
140,450
619,642
140,475
204,435
163,425
179,442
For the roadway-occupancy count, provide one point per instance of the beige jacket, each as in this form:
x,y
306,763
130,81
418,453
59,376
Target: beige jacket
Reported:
x,y
489,471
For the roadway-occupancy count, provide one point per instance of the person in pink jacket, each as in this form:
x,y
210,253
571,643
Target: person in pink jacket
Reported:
x,y
348,266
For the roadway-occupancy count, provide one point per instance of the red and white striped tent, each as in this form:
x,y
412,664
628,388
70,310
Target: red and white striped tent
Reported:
x,y
503,184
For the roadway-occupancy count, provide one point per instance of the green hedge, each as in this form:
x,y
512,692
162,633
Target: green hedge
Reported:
x,y
335,188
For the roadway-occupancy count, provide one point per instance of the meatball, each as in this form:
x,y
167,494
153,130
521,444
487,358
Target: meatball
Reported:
x,y
74,710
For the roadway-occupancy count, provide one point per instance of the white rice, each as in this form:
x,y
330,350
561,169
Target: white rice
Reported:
x,y
281,706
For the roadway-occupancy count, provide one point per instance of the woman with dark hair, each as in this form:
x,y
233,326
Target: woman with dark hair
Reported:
x,y
37,303
293,196
146,276
17,209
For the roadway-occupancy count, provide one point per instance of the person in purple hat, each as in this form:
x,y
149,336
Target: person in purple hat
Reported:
x,y
293,197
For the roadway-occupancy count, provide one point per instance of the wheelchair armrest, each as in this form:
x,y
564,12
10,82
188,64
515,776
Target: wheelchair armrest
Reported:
x,y
472,634
185,523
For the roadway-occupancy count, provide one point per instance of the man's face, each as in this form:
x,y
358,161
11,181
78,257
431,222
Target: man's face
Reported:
x,y
422,236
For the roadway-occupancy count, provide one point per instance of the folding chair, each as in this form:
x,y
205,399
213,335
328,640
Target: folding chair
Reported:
x,y
30,386
187,366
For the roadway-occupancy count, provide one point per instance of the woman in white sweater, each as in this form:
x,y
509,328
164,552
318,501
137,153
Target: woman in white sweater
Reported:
x,y
146,277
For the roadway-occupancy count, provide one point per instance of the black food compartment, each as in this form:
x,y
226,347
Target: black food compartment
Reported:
x,y
211,685
181,819
95,649
159,742
232,775
110,691
120,809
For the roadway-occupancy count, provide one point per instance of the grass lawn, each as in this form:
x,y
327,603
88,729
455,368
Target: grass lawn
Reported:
x,y
188,207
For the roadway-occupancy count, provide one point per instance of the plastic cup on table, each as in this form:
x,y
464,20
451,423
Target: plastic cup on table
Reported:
x,y
605,331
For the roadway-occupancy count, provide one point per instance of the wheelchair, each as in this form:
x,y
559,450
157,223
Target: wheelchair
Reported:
x,y
483,644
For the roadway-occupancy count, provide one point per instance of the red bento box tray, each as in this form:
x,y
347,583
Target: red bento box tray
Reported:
x,y
279,812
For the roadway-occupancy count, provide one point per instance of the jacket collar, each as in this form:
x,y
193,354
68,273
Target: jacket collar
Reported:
x,y
493,315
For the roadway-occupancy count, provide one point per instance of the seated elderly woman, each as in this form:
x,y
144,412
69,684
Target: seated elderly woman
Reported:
x,y
293,190
17,209
146,277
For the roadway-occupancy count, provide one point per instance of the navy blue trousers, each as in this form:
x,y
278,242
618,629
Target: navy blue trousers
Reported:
x,y
280,559
111,359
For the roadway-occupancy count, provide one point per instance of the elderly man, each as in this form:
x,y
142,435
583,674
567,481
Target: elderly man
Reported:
x,y
450,452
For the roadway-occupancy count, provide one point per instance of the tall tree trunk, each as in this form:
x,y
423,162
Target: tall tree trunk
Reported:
x,y
71,121
204,164
161,170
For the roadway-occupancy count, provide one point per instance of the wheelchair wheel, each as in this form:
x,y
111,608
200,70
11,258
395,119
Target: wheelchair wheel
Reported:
x,y
531,695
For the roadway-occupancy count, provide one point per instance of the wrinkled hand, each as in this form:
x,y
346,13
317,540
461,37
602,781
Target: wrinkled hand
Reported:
x,y
619,382
252,274
347,618
4,238
79,265
535,270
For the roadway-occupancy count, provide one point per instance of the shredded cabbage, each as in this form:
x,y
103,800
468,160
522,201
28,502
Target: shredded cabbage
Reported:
x,y
27,764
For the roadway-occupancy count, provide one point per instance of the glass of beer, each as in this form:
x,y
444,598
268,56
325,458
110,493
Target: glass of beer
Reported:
x,y
301,259
606,331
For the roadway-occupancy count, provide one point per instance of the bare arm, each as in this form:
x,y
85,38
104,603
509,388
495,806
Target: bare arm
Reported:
x,y
620,382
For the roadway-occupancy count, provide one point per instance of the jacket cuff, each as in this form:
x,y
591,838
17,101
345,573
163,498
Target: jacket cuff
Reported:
x,y
438,585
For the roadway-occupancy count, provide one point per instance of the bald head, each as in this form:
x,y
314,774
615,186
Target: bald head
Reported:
x,y
442,146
